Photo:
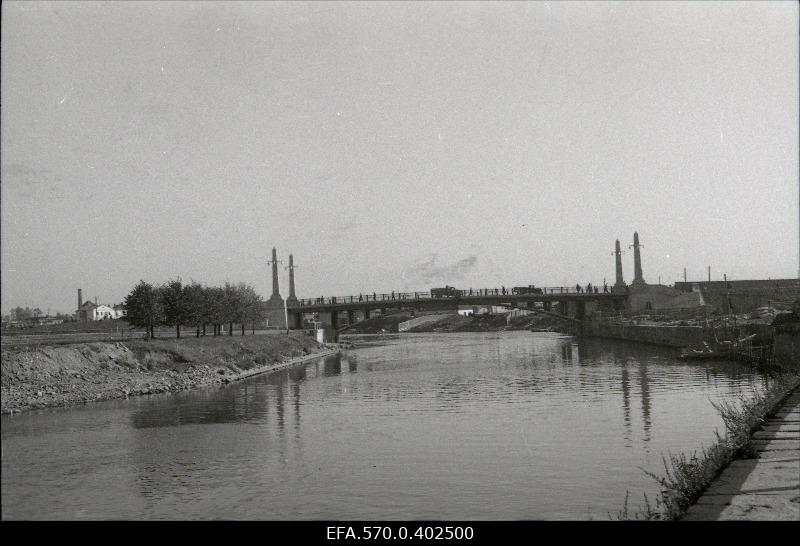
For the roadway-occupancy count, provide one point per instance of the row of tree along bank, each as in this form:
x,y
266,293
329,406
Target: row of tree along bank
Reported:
x,y
49,376
175,304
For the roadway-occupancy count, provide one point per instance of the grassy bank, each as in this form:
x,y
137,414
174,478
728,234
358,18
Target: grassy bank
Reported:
x,y
49,376
685,477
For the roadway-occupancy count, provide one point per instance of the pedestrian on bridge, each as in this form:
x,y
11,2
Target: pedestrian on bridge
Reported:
x,y
360,297
578,288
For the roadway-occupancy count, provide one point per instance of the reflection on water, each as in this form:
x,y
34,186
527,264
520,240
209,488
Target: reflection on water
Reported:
x,y
509,425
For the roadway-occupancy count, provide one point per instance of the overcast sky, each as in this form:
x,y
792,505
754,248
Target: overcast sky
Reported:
x,y
394,146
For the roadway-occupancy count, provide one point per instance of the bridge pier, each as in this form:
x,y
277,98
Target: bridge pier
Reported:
x,y
351,317
296,321
580,309
330,319
366,314
572,308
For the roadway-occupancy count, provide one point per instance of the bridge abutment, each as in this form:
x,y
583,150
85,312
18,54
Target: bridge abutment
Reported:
x,y
295,321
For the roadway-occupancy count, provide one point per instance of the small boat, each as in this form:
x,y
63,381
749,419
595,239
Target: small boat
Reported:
x,y
694,354
542,330
722,350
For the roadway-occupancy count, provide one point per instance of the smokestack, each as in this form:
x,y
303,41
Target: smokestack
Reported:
x,y
275,291
637,261
709,273
684,274
291,277
80,298
620,283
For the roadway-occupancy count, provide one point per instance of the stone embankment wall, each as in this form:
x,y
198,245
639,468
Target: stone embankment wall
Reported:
x,y
673,336
787,346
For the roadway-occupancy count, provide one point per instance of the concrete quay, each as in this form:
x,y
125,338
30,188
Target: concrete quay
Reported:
x,y
762,489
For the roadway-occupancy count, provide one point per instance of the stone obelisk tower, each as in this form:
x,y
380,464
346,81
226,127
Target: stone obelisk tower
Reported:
x,y
637,262
619,283
292,299
274,305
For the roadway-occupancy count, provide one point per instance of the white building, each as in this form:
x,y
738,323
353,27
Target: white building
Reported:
x,y
104,312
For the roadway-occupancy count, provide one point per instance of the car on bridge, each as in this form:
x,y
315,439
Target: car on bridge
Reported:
x,y
530,289
446,292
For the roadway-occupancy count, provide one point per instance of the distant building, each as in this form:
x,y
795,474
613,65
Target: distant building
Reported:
x,y
743,295
475,310
466,310
85,311
120,311
90,311
645,297
515,313
104,312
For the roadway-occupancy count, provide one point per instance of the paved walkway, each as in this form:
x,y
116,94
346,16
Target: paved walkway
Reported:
x,y
767,488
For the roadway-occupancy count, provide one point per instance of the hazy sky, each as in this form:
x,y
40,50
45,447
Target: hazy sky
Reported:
x,y
394,146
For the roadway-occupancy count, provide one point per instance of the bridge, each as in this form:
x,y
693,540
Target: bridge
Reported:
x,y
573,301
570,302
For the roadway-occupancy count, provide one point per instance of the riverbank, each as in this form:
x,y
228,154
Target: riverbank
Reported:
x,y
764,488
672,335
700,487
63,375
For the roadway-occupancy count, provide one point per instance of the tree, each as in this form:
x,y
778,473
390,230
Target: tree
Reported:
x,y
252,306
144,307
215,307
176,304
196,306
18,313
232,306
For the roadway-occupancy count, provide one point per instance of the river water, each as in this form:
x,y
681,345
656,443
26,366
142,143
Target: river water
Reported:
x,y
501,425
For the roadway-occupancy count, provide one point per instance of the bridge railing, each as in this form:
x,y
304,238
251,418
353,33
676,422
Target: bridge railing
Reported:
x,y
595,289
467,292
365,298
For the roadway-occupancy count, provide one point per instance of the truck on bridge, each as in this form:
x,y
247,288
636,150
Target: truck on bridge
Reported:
x,y
446,292
530,289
